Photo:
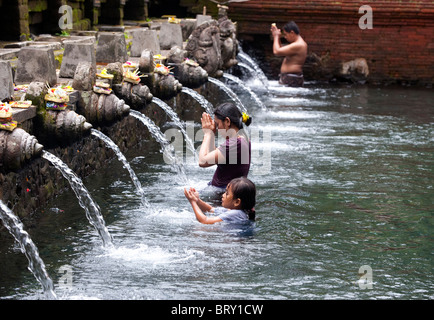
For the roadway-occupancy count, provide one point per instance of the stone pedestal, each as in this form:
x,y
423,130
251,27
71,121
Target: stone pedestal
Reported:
x,y
74,54
200,18
36,64
170,35
111,48
144,39
6,80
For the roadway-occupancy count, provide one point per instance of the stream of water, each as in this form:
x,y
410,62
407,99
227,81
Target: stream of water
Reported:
x,y
124,161
346,185
174,117
91,208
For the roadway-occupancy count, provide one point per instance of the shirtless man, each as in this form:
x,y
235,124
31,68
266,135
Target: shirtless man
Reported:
x,y
291,71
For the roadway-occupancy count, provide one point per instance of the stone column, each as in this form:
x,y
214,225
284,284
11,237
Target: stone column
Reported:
x,y
75,53
170,36
36,64
144,39
111,47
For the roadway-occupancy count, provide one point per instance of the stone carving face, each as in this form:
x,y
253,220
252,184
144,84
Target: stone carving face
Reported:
x,y
228,42
204,47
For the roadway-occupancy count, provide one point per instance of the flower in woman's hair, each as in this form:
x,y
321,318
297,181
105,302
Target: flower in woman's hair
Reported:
x,y
245,117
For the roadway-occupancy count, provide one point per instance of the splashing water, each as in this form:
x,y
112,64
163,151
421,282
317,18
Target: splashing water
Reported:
x,y
172,114
230,93
199,98
166,148
350,184
36,265
242,85
122,158
93,212
255,75
245,57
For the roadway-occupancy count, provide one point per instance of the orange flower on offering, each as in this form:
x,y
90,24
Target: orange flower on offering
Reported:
x,y
57,94
161,69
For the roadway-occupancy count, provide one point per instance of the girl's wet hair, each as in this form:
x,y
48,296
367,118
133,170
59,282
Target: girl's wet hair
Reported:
x,y
245,190
229,110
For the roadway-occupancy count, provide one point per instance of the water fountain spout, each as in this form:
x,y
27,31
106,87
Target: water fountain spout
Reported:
x,y
136,95
16,148
64,126
158,77
187,71
101,108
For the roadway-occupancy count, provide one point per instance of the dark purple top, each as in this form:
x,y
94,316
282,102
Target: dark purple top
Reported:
x,y
236,163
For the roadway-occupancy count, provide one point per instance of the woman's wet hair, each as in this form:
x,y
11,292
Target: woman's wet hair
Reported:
x,y
229,110
245,190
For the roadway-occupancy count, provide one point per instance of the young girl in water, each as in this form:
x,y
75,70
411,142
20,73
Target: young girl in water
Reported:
x,y
238,203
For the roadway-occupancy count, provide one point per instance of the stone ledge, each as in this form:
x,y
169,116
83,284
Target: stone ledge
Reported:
x,y
21,115
9,54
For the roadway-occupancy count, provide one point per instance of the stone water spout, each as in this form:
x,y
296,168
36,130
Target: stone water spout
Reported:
x,y
187,71
135,95
164,86
158,77
102,108
16,148
62,126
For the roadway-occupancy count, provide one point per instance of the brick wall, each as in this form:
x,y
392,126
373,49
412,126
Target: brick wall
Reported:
x,y
400,47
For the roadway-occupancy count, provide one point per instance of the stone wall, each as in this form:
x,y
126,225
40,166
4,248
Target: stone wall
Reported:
x,y
14,15
22,18
399,47
37,182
